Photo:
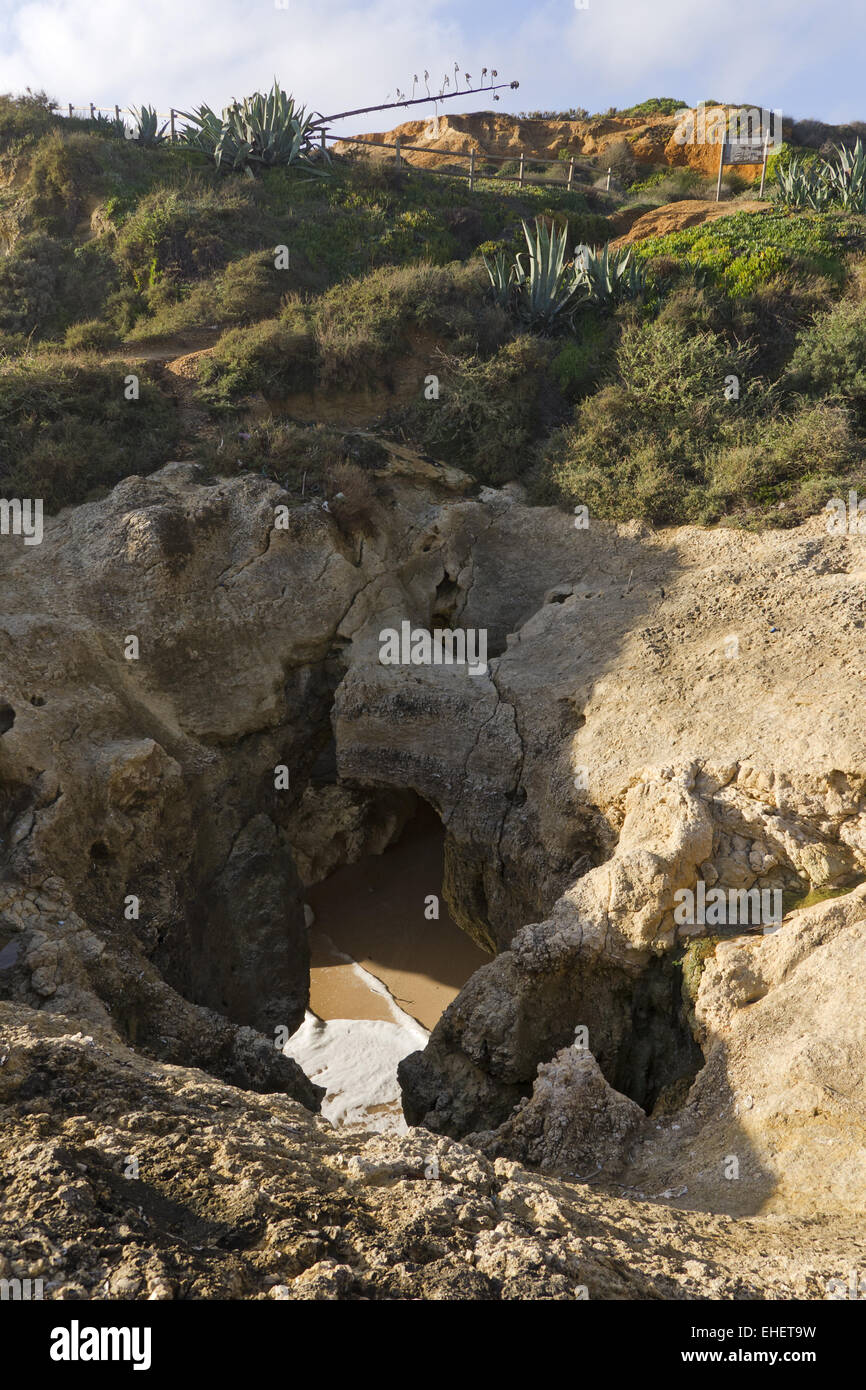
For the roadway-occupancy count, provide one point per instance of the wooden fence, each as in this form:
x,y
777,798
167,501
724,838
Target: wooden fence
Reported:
x,y
401,152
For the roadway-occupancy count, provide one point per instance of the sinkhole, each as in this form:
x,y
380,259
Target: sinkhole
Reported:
x,y
386,960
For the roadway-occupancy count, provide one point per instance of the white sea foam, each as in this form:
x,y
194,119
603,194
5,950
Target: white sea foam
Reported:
x,y
356,1059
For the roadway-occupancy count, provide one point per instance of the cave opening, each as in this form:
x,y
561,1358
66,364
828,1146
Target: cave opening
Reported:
x,y
386,960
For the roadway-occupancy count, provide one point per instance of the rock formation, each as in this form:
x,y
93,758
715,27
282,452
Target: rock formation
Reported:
x,y
653,140
659,710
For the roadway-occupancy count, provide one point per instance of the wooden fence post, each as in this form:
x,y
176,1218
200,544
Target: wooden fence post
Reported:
x,y
522,163
571,172
609,172
471,170
117,112
721,163
70,110
92,113
397,152
171,121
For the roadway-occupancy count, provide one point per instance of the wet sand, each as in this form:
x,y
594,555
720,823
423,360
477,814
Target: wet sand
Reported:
x,y
373,913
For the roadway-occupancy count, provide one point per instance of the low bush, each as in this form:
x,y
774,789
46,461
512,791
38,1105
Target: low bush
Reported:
x,y
90,336
29,280
67,429
830,358
661,441
491,413
274,357
305,460
347,337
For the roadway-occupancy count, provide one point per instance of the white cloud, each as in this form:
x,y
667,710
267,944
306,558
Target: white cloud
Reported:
x,y
334,55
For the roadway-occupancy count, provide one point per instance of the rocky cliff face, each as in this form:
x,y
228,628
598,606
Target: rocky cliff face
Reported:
x,y
659,710
654,140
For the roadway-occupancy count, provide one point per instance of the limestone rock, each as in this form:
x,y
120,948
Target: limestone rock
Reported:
x,y
128,1177
573,1123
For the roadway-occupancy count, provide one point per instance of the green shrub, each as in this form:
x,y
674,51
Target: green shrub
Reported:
x,y
29,280
579,363
491,413
246,289
65,173
25,118
176,234
347,337
661,442
671,186
746,250
90,336
66,428
830,358
45,285
275,357
656,106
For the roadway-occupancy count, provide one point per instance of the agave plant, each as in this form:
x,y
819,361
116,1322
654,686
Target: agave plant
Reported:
x,y
805,185
846,176
109,125
147,129
501,278
547,291
258,133
606,276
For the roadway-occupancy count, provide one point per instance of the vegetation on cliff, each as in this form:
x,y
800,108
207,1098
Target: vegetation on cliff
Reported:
x,y
726,386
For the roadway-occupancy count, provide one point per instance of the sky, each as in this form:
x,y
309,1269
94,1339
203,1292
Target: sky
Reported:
x,y
798,55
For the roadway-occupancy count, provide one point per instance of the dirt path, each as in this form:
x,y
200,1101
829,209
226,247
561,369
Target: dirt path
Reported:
x,y
688,212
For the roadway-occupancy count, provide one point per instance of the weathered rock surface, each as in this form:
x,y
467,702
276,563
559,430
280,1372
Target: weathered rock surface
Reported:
x,y
573,1122
126,1178
652,139
783,1093
659,710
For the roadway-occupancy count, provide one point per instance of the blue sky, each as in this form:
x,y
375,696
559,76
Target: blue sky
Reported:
x,y
804,57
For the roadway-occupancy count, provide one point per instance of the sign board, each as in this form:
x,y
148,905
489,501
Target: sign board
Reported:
x,y
744,152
